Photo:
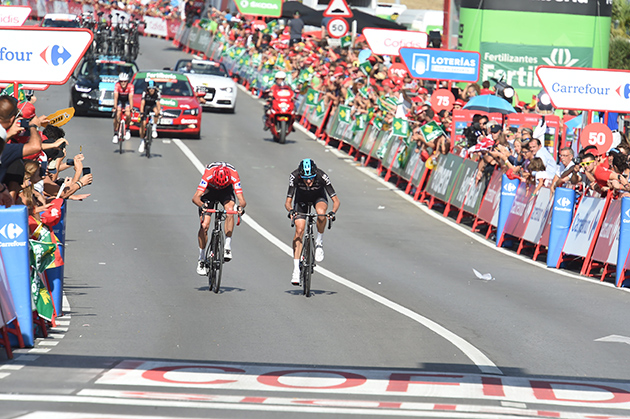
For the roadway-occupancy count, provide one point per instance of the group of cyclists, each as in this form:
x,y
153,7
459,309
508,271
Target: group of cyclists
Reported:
x,y
220,182
123,102
308,186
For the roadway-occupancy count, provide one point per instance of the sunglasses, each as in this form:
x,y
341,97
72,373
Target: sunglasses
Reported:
x,y
585,163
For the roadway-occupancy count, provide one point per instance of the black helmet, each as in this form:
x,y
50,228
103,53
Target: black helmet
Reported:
x,y
307,169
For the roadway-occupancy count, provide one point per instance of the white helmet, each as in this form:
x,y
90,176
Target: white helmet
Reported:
x,y
123,77
281,75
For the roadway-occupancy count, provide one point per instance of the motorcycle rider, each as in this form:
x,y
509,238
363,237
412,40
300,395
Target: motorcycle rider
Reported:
x,y
270,93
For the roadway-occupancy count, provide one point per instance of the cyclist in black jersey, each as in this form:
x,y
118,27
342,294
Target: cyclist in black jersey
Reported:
x,y
309,185
150,103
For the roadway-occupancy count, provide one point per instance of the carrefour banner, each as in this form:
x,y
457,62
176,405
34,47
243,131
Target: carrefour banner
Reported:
x,y
513,37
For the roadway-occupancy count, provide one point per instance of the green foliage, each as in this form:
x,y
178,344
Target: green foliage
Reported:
x,y
619,52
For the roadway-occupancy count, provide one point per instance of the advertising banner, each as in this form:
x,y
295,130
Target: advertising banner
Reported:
x,y
517,63
155,26
441,64
42,55
584,224
443,177
17,15
271,8
7,308
608,240
539,216
521,210
465,181
586,88
389,41
489,209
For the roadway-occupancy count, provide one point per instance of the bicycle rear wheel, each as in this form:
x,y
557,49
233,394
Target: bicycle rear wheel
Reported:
x,y
208,262
121,134
217,262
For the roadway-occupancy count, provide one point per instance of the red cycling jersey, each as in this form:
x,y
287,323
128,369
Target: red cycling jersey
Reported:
x,y
123,93
207,180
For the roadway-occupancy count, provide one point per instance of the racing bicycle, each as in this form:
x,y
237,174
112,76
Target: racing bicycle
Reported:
x,y
149,129
121,130
214,250
307,258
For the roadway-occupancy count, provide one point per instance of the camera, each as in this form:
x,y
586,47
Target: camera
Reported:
x,y
70,162
472,133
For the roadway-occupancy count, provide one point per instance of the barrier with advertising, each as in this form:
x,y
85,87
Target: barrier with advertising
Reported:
x,y
539,217
489,207
518,217
443,177
607,243
584,225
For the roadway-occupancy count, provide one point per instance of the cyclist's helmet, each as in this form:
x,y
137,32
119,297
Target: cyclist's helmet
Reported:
x,y
123,77
307,169
150,84
222,177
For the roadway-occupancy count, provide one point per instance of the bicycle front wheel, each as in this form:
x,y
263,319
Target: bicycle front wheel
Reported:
x,y
147,140
211,272
121,134
307,264
217,262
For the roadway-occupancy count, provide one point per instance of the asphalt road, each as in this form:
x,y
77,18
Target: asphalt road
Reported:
x,y
398,324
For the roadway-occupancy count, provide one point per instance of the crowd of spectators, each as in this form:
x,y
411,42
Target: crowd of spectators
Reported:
x,y
32,157
343,76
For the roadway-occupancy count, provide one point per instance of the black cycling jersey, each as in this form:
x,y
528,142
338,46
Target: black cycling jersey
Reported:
x,y
321,182
150,100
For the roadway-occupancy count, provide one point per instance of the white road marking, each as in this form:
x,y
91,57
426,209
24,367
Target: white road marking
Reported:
x,y
475,355
59,329
478,412
48,343
63,322
614,338
26,358
39,350
4,374
12,367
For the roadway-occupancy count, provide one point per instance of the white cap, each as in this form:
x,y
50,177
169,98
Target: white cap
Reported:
x,y
281,75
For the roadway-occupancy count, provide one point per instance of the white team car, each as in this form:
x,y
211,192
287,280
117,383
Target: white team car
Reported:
x,y
213,79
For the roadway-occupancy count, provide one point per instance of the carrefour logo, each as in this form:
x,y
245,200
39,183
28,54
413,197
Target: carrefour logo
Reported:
x,y
11,231
626,220
563,203
510,187
55,55
626,91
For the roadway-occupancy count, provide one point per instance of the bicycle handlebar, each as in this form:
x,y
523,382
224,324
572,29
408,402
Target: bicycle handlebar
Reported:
x,y
311,215
221,211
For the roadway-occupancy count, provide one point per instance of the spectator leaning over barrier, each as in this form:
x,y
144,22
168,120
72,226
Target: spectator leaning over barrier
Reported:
x,y
539,151
565,171
602,179
539,175
9,119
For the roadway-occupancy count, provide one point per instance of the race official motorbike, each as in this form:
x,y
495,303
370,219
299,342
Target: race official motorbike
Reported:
x,y
281,114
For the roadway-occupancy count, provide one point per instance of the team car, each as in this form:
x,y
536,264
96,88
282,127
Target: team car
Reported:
x,y
92,87
181,111
211,78
60,20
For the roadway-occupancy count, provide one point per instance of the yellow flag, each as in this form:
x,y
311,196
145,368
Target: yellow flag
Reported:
x,y
61,117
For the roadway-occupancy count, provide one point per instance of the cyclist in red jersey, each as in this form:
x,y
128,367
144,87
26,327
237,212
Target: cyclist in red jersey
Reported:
x,y
220,183
123,99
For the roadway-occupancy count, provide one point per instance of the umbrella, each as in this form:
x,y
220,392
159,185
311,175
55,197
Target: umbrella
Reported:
x,y
490,103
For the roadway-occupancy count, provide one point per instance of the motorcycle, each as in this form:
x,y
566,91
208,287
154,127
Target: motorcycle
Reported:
x,y
281,115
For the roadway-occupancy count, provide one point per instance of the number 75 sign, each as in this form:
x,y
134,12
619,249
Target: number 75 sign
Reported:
x,y
597,134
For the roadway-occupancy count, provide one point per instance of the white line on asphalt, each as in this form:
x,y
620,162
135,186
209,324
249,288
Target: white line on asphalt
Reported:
x,y
4,374
50,398
484,363
13,367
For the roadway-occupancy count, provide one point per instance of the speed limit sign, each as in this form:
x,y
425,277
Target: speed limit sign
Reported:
x,y
337,27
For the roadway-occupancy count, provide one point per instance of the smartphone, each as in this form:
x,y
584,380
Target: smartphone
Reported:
x,y
514,129
70,162
24,123
86,171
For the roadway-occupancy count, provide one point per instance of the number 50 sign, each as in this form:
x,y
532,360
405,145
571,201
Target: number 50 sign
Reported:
x,y
597,134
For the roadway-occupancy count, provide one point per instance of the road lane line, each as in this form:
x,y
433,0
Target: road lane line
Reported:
x,y
484,363
472,412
